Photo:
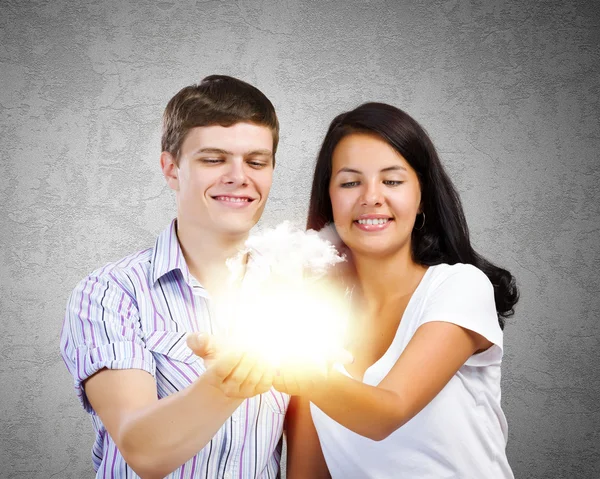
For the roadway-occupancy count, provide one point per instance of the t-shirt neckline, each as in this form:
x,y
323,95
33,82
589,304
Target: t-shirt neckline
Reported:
x,y
392,347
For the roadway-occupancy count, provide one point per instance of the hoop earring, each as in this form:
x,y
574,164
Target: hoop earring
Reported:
x,y
422,224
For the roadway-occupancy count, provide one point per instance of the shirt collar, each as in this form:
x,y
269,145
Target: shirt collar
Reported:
x,y
168,255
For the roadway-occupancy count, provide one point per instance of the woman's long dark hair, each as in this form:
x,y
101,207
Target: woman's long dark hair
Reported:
x,y
444,237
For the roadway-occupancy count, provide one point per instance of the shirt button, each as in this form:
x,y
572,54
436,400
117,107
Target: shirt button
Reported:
x,y
227,475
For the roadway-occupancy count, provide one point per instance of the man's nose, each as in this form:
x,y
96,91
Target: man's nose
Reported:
x,y
236,173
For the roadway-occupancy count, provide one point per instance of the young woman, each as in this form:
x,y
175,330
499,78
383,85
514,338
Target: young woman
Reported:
x,y
422,397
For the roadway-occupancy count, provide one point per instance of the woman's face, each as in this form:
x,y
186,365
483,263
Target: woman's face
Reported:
x,y
375,196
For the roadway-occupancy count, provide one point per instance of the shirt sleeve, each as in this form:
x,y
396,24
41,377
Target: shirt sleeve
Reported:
x,y
101,329
465,296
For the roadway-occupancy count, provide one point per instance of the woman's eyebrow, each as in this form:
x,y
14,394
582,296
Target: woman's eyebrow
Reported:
x,y
394,168
345,169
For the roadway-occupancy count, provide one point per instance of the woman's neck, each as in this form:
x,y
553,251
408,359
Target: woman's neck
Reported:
x,y
386,279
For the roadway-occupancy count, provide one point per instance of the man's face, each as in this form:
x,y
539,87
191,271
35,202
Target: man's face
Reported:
x,y
223,178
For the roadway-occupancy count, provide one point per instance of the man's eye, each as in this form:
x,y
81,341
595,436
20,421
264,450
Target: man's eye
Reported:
x,y
257,164
211,160
349,184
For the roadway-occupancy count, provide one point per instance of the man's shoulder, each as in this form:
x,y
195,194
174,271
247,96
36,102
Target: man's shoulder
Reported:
x,y
134,263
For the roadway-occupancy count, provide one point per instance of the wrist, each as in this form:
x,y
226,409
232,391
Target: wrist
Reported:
x,y
321,387
208,385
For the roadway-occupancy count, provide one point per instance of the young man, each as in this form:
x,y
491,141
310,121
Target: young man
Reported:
x,y
157,409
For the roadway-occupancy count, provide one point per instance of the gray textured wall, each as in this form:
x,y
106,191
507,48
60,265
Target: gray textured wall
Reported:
x,y
509,91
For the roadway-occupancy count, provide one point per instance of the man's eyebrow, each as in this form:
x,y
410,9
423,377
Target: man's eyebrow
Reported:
x,y
219,151
260,152
216,151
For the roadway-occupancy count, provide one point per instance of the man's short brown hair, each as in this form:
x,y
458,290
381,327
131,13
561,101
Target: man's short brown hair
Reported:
x,y
216,100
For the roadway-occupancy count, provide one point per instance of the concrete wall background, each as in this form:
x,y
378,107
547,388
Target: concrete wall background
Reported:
x,y
509,91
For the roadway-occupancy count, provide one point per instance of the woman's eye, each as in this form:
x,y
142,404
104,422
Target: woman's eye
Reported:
x,y
349,184
392,182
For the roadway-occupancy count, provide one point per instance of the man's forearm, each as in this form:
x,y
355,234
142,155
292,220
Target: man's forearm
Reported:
x,y
161,437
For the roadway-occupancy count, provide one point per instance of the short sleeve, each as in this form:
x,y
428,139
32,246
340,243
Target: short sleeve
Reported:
x,y
465,296
101,329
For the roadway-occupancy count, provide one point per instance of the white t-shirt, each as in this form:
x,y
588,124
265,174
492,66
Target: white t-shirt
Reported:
x,y
462,432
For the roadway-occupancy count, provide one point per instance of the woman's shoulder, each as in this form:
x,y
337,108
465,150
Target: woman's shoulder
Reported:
x,y
461,272
458,282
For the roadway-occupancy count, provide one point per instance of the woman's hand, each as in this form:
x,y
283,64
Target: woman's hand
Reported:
x,y
236,373
307,378
300,379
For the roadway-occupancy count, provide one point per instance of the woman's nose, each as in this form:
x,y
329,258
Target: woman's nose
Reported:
x,y
372,195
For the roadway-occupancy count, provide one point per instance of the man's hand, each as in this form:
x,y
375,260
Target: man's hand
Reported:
x,y
236,373
206,346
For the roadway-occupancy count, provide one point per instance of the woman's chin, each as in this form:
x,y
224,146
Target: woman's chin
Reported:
x,y
374,248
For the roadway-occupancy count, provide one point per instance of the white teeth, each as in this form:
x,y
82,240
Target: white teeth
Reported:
x,y
232,200
377,221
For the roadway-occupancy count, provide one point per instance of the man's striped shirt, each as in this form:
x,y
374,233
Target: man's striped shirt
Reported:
x,y
135,314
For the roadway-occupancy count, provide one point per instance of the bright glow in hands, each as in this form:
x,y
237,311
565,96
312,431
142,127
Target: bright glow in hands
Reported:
x,y
235,373
283,316
290,324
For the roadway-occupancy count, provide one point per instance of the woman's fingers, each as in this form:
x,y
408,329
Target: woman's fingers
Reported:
x,y
341,356
291,386
301,379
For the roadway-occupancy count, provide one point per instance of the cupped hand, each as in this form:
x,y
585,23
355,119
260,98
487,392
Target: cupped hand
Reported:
x,y
304,378
236,373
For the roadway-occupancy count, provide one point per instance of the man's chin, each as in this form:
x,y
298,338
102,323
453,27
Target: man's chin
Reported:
x,y
236,230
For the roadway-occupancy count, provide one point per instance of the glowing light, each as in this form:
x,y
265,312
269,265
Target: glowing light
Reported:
x,y
285,312
289,324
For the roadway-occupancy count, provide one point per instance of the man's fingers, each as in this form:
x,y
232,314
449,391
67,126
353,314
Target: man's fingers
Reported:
x,y
226,365
278,382
266,381
233,382
250,386
201,344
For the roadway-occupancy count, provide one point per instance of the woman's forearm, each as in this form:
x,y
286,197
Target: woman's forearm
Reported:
x,y
160,438
304,454
367,410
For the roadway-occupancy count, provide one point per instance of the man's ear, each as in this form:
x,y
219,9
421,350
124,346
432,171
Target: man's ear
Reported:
x,y
170,170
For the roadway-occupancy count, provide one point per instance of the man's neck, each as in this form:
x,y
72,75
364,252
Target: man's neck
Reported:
x,y
206,254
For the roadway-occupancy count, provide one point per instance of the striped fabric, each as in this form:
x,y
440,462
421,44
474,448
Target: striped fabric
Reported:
x,y
135,314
